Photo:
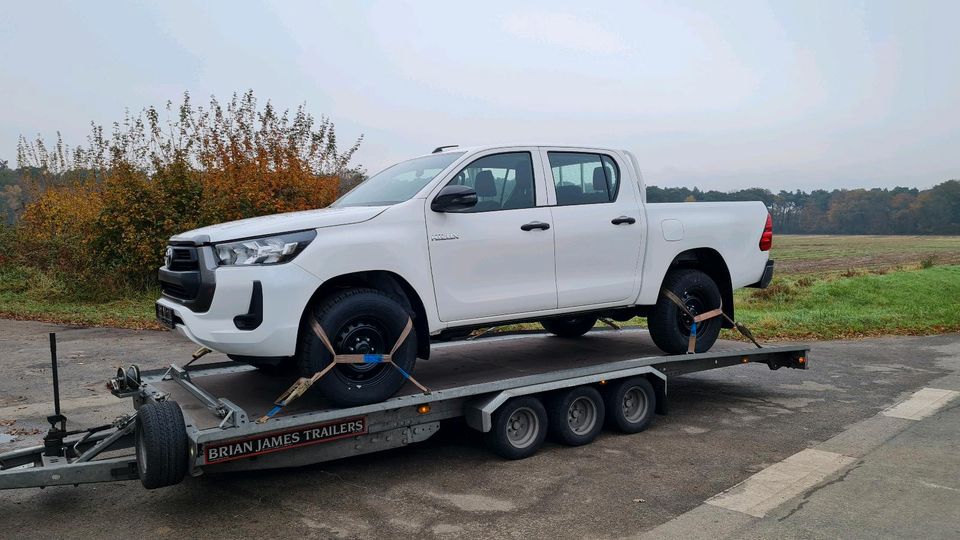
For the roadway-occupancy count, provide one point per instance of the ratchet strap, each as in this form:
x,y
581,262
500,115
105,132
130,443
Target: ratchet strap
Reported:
x,y
697,319
303,384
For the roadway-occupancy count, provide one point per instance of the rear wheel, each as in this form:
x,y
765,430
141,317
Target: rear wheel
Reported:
x,y
575,415
518,428
161,444
670,326
570,327
357,321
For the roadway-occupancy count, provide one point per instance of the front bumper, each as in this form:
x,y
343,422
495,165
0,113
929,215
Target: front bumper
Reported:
x,y
284,291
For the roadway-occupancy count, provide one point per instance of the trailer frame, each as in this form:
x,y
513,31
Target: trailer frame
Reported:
x,y
222,436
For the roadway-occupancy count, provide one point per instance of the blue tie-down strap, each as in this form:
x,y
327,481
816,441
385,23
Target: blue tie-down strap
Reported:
x,y
373,359
693,328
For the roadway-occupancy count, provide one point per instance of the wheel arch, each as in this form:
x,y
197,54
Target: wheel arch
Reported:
x,y
710,262
385,281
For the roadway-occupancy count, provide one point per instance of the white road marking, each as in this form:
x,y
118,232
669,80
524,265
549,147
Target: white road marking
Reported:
x,y
780,482
921,404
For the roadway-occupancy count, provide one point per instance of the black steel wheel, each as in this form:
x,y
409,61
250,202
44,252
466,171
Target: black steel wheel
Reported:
x,y
518,428
357,321
670,326
161,444
630,404
576,415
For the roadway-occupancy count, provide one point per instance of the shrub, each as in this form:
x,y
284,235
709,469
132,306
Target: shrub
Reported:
x,y
927,262
100,215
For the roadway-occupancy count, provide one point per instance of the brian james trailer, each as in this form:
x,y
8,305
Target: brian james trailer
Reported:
x,y
517,390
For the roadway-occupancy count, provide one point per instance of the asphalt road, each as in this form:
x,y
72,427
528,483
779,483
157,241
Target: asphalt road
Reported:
x,y
724,426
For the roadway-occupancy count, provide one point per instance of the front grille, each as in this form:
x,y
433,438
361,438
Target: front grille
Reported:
x,y
182,258
188,276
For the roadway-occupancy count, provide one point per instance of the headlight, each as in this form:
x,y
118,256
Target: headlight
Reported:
x,y
268,250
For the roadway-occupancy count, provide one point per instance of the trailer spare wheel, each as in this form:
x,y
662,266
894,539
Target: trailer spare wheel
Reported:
x,y
162,446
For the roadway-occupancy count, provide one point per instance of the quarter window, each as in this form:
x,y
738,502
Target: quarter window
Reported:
x,y
581,178
502,182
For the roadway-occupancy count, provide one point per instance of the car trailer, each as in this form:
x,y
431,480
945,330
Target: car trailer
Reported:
x,y
204,418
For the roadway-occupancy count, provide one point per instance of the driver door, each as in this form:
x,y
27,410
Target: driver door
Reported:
x,y
497,258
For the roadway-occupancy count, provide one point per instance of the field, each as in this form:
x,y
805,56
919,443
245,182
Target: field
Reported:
x,y
825,287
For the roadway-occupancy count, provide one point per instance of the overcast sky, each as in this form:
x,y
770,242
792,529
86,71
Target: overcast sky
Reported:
x,y
721,95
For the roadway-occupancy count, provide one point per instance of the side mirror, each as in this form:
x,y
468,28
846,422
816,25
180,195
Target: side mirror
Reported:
x,y
454,199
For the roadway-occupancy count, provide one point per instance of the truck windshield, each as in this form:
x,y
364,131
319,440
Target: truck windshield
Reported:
x,y
399,182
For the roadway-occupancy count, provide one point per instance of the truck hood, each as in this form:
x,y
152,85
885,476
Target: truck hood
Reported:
x,y
280,223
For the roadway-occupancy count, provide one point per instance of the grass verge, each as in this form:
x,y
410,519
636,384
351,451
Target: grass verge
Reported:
x,y
908,302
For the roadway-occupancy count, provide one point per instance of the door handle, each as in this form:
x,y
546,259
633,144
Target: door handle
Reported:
x,y
535,225
623,219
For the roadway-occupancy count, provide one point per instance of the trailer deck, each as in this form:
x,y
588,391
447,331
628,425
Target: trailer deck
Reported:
x,y
220,404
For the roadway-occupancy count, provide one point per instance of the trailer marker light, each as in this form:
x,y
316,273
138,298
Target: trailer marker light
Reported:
x,y
423,409
603,381
745,359
802,360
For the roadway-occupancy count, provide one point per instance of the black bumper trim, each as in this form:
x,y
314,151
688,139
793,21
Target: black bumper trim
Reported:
x,y
766,278
254,316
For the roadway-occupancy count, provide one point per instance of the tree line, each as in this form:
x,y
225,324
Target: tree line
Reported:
x,y
899,210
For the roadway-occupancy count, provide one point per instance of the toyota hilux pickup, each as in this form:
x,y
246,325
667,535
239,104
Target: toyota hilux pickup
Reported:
x,y
454,241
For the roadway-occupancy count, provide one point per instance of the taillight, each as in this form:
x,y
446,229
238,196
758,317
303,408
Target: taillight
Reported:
x,y
766,239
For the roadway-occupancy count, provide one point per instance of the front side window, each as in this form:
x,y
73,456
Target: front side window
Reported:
x,y
582,178
399,182
502,182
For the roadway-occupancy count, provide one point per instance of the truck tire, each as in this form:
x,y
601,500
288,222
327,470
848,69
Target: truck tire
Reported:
x,y
161,444
357,321
630,404
575,415
670,327
570,327
518,428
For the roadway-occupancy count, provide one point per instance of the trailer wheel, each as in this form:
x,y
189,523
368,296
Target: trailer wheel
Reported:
x,y
630,404
571,327
161,444
670,326
576,415
519,428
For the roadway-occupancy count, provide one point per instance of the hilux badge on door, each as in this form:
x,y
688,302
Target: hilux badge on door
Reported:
x,y
444,236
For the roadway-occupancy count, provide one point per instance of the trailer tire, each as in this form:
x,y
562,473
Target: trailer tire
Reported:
x,y
161,444
570,327
518,428
575,415
670,327
357,321
630,404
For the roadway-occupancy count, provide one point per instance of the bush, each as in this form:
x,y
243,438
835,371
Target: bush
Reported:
x,y
100,216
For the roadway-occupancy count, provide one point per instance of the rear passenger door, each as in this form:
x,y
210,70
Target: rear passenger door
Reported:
x,y
598,226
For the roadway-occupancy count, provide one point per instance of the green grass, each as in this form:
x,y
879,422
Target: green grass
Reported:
x,y
29,294
825,287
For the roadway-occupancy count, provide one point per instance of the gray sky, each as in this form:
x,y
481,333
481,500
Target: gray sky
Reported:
x,y
721,95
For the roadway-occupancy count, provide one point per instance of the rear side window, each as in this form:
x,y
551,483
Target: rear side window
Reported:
x,y
582,178
502,182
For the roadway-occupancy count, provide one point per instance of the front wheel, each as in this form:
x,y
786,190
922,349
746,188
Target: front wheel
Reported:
x,y
357,321
670,326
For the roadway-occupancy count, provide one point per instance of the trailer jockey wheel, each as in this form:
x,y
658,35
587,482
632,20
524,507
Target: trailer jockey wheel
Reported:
x,y
630,404
576,415
161,444
518,428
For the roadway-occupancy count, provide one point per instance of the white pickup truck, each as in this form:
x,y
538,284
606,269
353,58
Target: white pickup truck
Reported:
x,y
460,239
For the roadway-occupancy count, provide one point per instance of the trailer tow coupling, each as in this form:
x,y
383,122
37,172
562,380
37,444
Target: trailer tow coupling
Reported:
x,y
67,456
